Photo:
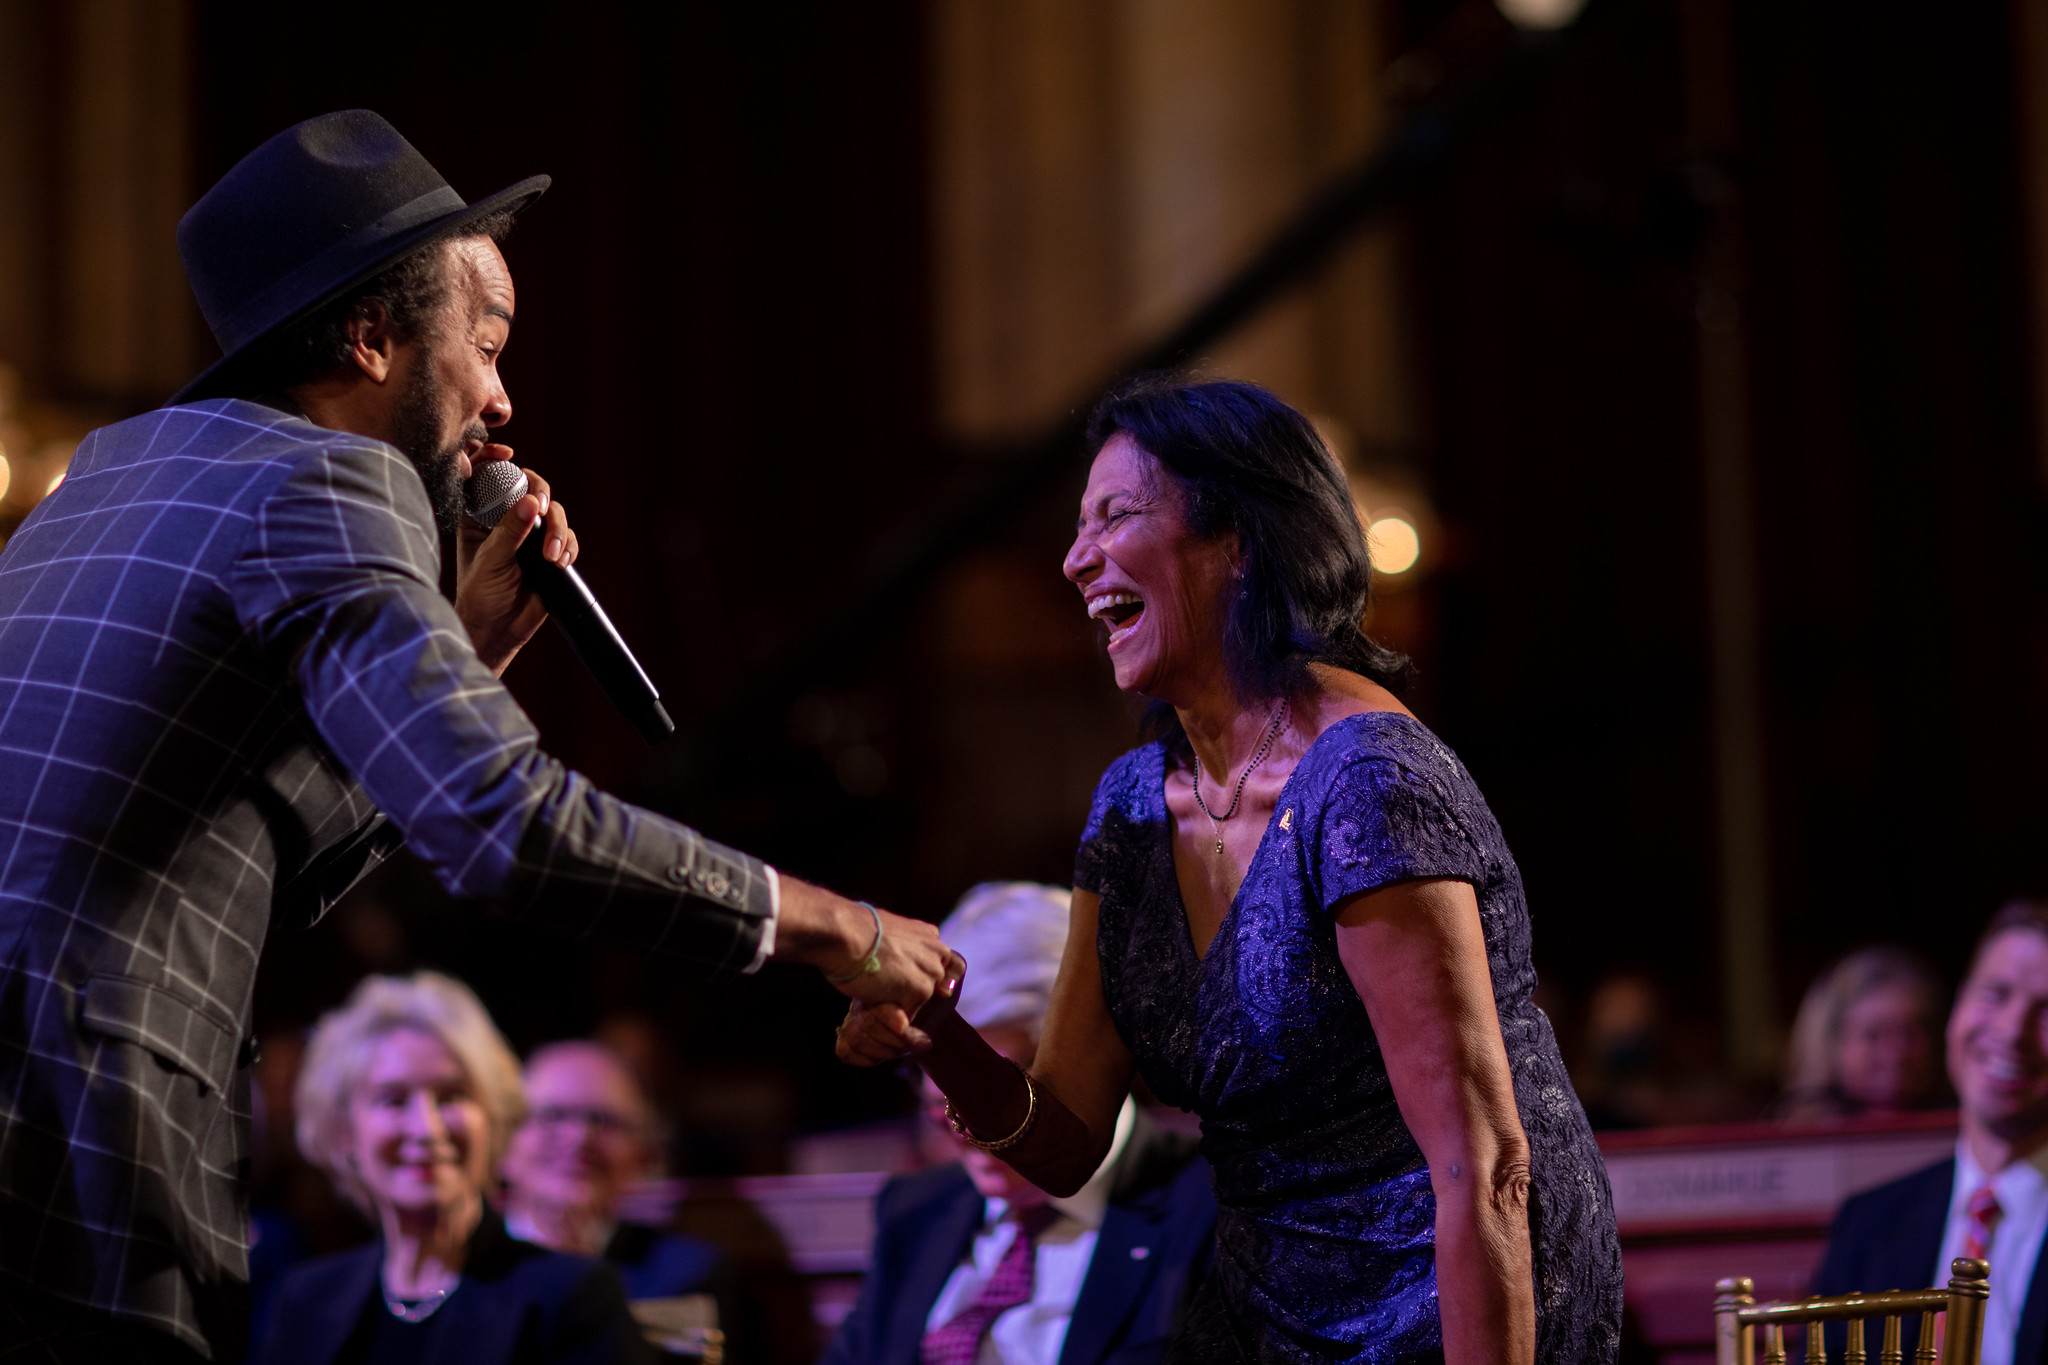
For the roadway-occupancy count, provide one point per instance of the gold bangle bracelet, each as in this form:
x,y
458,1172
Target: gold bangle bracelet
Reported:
x,y
1000,1144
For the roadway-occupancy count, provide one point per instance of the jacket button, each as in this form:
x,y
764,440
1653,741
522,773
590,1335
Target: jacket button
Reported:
x,y
679,874
716,884
251,1051
1140,1253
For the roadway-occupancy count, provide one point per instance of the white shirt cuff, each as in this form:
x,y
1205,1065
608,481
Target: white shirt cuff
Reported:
x,y
767,948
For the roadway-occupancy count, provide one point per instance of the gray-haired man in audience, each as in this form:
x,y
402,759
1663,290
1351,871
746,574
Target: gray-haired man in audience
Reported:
x,y
974,1263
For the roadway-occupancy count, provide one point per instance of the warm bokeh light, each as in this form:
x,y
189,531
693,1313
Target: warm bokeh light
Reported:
x,y
55,482
3,473
1540,14
1393,543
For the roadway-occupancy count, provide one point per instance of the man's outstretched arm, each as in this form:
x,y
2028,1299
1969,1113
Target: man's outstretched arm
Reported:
x,y
338,574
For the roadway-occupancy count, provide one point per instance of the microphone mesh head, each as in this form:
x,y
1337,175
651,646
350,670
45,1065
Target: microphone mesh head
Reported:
x,y
491,489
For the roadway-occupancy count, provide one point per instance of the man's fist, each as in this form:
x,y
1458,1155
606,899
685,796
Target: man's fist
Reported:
x,y
491,597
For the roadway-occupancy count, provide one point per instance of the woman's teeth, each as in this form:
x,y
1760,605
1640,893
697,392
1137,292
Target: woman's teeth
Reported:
x,y
1117,610
1103,602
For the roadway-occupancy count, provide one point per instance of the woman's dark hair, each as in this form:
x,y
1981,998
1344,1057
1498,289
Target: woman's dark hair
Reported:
x,y
408,291
1248,464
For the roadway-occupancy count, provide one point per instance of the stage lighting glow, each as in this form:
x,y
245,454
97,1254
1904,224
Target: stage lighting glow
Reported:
x,y
55,482
1540,14
1393,543
3,473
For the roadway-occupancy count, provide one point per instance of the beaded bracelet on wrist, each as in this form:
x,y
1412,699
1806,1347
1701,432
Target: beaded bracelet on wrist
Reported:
x,y
870,964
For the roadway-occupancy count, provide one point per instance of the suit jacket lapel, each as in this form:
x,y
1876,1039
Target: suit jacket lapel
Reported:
x,y
931,1265
1117,1280
1922,1224
2030,1342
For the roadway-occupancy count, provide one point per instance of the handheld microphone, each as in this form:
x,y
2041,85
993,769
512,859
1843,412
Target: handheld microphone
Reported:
x,y
488,494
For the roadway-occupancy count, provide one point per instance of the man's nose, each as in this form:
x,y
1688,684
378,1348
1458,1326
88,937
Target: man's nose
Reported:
x,y
497,404
2017,1024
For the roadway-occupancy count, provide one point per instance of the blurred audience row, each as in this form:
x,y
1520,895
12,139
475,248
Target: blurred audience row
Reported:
x,y
537,1191
514,1189
475,1176
1865,1041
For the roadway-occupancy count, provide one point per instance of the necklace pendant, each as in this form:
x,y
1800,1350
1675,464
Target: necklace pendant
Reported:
x,y
1219,846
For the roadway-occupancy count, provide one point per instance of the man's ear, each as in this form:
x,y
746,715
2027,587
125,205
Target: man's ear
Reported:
x,y
373,346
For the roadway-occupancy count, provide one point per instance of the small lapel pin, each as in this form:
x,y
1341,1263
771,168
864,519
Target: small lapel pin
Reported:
x,y
1287,818
1140,1253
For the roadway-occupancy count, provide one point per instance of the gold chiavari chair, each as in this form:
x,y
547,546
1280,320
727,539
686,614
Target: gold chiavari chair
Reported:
x,y
1739,1320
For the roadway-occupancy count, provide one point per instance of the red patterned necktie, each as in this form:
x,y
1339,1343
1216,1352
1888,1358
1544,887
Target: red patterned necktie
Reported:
x,y
1981,1222
959,1340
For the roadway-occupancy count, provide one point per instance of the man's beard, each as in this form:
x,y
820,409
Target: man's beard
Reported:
x,y
416,430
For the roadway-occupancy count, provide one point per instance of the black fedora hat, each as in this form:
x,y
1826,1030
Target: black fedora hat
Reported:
x,y
315,211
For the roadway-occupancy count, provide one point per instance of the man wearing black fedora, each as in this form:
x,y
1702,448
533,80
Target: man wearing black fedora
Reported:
x,y
229,686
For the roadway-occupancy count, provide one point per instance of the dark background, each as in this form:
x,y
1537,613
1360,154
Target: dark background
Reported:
x,y
723,358
724,362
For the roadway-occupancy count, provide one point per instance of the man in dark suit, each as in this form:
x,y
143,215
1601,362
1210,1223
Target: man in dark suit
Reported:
x,y
972,1264
1989,1201
229,685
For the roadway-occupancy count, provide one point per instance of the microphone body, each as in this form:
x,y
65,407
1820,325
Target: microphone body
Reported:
x,y
489,494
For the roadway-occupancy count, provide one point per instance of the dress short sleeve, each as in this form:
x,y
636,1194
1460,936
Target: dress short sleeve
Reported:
x,y
1114,833
1384,822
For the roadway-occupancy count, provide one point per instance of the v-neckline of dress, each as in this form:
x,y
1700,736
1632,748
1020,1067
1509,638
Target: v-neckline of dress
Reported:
x,y
1187,928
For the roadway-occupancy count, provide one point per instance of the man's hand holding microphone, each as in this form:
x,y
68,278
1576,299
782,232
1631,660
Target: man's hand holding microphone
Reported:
x,y
496,604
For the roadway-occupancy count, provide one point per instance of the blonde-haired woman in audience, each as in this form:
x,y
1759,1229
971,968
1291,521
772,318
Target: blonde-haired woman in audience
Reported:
x,y
407,1099
1867,1040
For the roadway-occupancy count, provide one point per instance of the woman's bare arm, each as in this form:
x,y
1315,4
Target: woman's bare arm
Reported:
x,y
1083,1071
1417,957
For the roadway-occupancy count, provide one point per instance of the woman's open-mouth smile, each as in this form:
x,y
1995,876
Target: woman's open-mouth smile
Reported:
x,y
1120,611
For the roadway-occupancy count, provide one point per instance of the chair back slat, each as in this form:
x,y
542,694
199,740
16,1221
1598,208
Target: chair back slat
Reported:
x,y
1930,1333
1889,1353
1774,1343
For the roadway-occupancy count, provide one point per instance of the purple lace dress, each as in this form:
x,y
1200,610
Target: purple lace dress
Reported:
x,y
1325,1243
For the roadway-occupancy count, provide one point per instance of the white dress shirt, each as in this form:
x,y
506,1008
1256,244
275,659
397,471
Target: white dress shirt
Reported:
x,y
1033,1333
767,948
2022,1190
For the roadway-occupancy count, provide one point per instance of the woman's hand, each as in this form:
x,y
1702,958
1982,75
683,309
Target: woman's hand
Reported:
x,y
491,596
876,1035
1082,1071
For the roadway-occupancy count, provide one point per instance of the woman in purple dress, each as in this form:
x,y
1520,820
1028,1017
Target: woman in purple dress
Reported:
x,y
1295,915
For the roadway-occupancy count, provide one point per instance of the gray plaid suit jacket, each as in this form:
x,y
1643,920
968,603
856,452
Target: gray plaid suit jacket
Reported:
x,y
224,661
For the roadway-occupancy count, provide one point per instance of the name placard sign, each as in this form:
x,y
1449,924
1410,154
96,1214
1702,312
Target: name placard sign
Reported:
x,y
1757,1174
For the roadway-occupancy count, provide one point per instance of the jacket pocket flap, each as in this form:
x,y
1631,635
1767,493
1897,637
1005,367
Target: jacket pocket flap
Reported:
x,y
146,1014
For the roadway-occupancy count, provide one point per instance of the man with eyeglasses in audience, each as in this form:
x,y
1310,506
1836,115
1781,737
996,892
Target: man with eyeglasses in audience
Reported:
x,y
587,1139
